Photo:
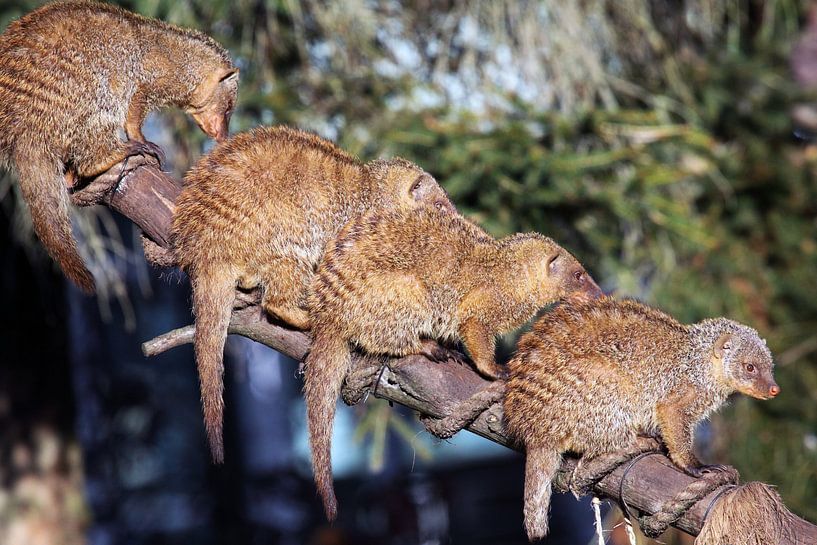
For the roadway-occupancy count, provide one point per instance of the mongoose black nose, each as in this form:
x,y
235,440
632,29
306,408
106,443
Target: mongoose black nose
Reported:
x,y
774,390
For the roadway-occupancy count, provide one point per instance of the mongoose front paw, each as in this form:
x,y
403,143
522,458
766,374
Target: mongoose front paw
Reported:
x,y
704,470
135,147
435,352
493,371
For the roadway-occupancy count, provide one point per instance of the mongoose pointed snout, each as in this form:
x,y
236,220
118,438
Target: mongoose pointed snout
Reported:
x,y
590,290
214,124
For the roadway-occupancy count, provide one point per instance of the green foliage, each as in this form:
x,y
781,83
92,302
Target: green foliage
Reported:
x,y
704,210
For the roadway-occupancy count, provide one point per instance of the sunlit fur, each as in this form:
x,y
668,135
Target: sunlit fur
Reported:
x,y
73,77
589,377
257,212
389,281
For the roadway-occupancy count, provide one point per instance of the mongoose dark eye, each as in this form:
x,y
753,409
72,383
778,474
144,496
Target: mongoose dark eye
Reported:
x,y
440,205
749,368
416,185
578,275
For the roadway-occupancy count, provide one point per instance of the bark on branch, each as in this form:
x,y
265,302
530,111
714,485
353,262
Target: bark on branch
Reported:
x,y
146,196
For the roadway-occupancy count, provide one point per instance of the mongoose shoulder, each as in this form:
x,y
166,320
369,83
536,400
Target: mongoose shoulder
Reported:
x,y
73,77
390,282
257,212
590,377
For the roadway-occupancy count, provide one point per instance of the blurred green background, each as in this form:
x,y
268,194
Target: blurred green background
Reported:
x,y
653,139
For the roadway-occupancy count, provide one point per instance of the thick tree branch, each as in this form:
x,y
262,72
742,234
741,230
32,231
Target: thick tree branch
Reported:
x,y
146,197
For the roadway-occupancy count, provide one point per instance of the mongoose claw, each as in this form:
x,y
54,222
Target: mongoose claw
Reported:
x,y
708,470
437,353
135,147
694,471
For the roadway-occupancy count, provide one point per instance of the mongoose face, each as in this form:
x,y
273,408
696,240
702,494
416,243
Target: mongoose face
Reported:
x,y
213,102
412,185
746,362
565,271
559,274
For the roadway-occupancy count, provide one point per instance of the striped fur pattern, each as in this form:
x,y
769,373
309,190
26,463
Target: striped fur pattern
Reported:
x,y
390,282
258,212
590,377
75,76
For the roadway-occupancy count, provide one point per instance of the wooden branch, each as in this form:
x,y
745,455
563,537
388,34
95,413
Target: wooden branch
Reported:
x,y
146,196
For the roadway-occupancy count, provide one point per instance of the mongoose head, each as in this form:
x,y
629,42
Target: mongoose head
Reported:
x,y
410,185
213,102
742,359
558,274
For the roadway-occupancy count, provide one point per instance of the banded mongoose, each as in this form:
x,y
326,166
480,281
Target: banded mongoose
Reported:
x,y
393,283
73,77
590,377
257,212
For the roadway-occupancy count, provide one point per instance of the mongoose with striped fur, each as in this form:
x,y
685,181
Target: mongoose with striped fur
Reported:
x,y
590,377
257,211
74,78
394,283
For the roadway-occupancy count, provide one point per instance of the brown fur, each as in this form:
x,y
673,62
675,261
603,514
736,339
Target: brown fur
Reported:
x,y
73,76
589,377
751,514
390,282
257,212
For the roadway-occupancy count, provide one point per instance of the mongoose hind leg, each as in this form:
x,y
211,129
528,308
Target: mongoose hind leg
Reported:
x,y
284,282
291,315
590,470
361,379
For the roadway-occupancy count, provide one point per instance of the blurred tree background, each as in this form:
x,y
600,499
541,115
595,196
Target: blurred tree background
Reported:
x,y
653,139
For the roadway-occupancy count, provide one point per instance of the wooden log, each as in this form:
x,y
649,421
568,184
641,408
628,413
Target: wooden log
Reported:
x,y
146,195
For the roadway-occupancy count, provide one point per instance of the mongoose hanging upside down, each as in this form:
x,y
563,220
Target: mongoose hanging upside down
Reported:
x,y
73,76
590,377
392,283
258,211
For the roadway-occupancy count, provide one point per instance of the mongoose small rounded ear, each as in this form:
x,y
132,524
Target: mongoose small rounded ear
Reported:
x,y
418,182
553,262
229,75
421,186
723,345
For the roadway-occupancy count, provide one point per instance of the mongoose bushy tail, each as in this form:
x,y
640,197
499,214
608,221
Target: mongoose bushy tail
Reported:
x,y
73,77
393,283
43,189
258,211
591,377
330,359
213,296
